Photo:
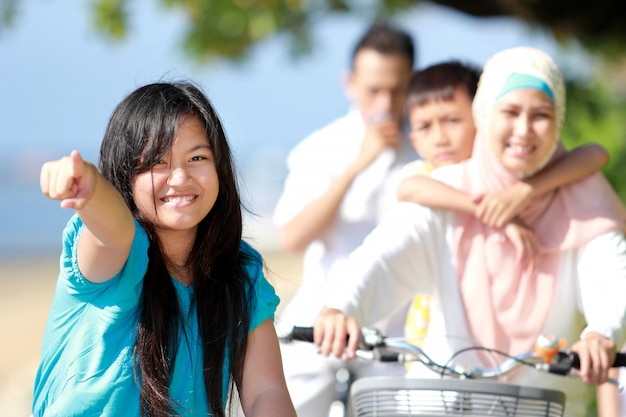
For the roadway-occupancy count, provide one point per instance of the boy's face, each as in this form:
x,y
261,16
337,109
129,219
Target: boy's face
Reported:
x,y
442,131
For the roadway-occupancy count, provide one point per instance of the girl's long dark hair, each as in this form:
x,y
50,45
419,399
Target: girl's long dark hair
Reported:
x,y
140,132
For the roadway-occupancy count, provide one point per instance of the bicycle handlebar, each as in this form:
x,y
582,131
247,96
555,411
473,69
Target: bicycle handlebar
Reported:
x,y
375,346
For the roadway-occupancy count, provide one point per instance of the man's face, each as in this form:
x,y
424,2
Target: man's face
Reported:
x,y
442,131
377,85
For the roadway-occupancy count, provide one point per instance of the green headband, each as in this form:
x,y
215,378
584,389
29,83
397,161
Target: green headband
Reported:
x,y
517,81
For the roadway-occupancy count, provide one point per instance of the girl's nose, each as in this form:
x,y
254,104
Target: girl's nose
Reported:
x,y
178,176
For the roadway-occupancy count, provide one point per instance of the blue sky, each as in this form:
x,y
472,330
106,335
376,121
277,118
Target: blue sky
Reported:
x,y
59,82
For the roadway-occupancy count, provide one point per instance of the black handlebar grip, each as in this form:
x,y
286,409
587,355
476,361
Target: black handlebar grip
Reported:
x,y
304,334
620,360
389,357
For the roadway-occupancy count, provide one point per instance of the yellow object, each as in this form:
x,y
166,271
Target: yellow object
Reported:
x,y
417,321
418,167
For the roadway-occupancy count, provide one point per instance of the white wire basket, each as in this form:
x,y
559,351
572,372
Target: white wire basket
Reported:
x,y
403,397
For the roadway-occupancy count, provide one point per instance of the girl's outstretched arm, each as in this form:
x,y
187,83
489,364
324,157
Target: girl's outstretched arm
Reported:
x,y
424,190
264,391
498,208
104,244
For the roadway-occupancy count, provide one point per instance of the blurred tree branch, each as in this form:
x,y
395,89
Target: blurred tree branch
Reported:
x,y
8,10
229,28
600,26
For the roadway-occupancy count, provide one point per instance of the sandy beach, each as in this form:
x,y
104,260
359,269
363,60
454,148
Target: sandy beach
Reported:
x,y
26,292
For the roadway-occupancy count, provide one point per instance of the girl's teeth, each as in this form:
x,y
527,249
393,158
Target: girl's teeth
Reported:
x,y
178,199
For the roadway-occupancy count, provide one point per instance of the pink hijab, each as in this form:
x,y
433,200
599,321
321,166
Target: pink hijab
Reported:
x,y
507,307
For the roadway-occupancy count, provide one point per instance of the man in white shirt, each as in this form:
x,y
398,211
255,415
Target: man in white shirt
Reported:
x,y
340,181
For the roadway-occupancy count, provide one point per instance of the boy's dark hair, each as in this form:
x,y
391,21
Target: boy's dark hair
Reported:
x,y
386,39
438,82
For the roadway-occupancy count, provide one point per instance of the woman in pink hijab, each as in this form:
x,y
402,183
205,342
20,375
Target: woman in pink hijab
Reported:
x,y
482,295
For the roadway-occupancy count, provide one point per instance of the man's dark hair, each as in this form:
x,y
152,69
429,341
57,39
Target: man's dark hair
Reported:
x,y
386,39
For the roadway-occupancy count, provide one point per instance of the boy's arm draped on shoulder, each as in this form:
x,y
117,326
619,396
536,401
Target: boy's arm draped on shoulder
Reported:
x,y
427,191
263,391
498,208
104,243
573,166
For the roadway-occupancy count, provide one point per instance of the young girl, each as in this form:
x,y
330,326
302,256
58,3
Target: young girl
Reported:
x,y
160,307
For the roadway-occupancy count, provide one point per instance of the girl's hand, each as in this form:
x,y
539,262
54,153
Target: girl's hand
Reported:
x,y
597,354
525,243
498,208
69,179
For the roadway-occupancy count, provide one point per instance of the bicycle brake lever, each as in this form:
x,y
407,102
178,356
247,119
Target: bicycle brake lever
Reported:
x,y
564,364
371,338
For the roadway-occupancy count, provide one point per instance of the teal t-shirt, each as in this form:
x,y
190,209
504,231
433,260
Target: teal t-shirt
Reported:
x,y
86,362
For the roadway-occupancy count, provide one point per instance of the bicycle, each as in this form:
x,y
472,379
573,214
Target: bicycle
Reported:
x,y
467,393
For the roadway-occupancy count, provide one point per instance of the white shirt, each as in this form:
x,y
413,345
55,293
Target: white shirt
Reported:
x,y
313,166
410,251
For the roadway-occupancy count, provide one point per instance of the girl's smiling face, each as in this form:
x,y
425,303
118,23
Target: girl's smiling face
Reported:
x,y
181,189
523,130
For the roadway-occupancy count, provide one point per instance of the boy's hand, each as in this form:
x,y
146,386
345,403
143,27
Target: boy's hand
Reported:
x,y
69,179
498,208
526,244
597,354
332,329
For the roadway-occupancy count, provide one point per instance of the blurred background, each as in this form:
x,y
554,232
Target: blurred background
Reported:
x,y
273,69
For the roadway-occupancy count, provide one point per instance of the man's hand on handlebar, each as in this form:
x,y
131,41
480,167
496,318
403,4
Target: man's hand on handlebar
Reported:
x,y
336,333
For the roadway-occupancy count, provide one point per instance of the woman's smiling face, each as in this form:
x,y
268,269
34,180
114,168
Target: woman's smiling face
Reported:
x,y
180,190
523,130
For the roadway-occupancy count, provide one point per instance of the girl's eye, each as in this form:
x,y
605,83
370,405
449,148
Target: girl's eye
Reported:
x,y
198,158
159,164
